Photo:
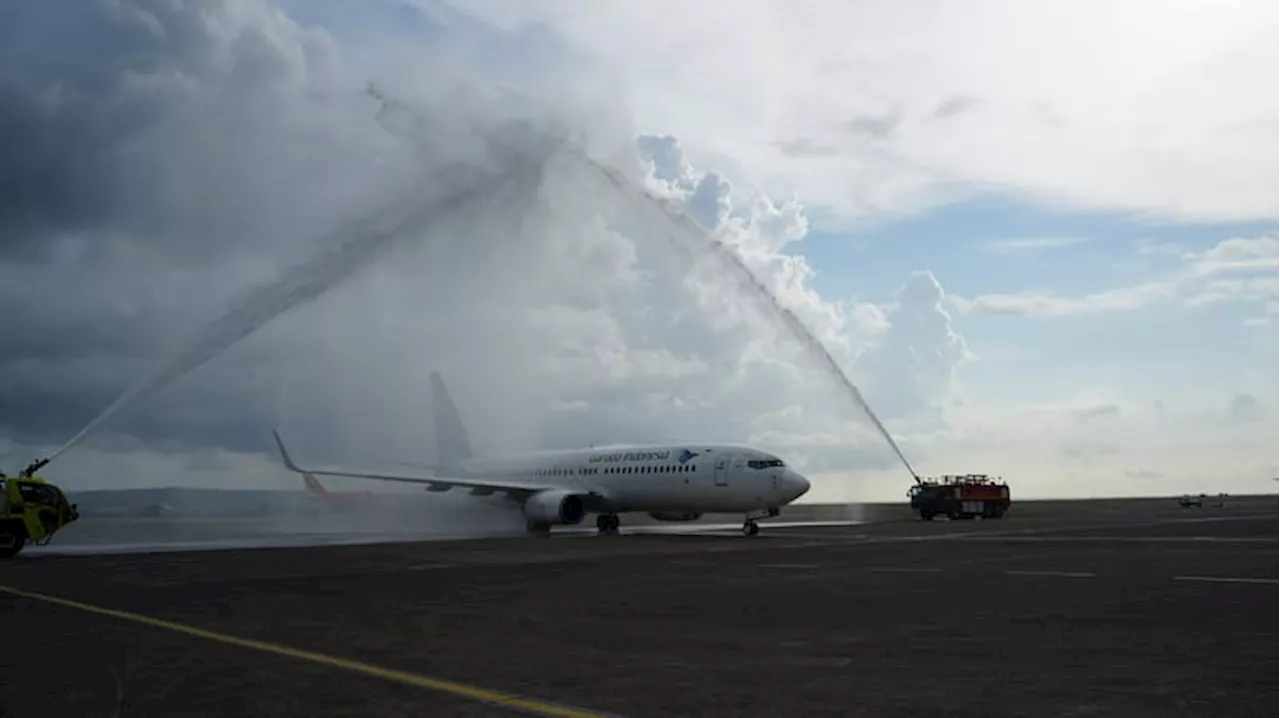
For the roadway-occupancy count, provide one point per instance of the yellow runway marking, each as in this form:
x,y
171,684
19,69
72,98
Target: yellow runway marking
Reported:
x,y
458,689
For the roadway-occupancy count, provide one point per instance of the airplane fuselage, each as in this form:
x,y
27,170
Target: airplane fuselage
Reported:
x,y
707,478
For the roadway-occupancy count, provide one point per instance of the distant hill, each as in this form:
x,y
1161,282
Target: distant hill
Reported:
x,y
186,502
247,503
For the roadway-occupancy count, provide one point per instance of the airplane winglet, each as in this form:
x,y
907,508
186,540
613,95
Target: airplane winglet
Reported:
x,y
284,454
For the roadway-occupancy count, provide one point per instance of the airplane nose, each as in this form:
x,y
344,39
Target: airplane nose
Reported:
x,y
796,484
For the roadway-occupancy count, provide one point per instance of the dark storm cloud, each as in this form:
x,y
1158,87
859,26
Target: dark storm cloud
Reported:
x,y
222,407
55,118
156,158
109,109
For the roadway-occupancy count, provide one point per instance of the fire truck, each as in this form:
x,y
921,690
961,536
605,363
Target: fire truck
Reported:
x,y
960,496
31,509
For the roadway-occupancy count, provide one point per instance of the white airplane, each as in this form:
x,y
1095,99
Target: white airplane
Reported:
x,y
677,482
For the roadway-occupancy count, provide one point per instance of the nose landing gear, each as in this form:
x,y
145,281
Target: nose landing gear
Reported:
x,y
749,525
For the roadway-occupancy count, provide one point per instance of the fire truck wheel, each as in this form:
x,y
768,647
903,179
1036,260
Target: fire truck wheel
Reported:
x,y
11,544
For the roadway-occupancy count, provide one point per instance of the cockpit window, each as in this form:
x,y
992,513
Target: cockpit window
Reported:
x,y
765,463
37,494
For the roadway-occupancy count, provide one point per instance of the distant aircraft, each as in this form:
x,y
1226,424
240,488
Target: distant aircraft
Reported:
x,y
673,482
1187,500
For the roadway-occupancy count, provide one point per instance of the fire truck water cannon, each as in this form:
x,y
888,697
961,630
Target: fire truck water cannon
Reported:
x,y
960,496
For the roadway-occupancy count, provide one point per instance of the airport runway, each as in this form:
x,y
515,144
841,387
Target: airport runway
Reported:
x,y
1060,609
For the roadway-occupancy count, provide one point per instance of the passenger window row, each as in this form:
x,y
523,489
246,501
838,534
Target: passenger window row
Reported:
x,y
668,469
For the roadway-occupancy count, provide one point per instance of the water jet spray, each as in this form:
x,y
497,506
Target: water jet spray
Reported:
x,y
366,238
704,240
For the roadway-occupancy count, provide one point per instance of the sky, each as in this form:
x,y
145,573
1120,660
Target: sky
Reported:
x,y
1040,238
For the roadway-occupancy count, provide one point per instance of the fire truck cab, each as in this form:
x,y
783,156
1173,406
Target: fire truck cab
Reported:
x,y
31,510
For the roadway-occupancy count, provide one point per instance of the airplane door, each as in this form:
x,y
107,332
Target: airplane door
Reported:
x,y
722,471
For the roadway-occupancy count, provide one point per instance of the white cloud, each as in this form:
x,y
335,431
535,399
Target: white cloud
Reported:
x,y
1243,259
1039,305
1195,280
1234,255
1165,108
1031,244
1234,290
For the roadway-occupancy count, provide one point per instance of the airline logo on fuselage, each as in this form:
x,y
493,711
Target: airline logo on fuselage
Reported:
x,y
686,455
630,456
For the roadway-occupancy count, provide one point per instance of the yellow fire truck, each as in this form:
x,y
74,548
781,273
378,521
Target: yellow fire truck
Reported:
x,y
31,510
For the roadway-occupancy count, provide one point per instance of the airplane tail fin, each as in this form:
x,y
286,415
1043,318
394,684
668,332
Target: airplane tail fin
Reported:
x,y
451,436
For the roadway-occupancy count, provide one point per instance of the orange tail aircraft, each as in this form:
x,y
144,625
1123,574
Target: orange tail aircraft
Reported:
x,y
344,498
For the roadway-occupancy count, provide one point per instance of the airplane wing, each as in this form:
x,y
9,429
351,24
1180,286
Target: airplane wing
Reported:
x,y
478,487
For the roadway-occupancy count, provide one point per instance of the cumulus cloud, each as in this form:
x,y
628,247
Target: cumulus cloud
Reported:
x,y
166,157
912,367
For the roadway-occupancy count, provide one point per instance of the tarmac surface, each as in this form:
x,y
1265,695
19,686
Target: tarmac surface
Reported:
x,y
1102,608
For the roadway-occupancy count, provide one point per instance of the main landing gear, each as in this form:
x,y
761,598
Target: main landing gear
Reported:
x,y
749,525
608,524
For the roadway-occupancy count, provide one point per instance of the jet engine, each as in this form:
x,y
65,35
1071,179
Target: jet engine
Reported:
x,y
554,506
670,516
